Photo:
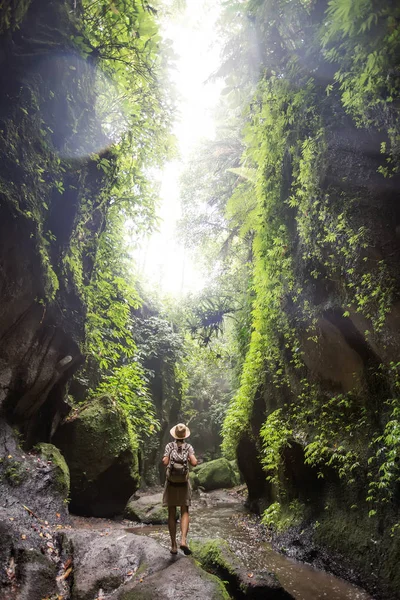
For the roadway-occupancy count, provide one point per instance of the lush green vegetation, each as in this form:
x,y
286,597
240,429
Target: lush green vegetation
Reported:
x,y
283,211
286,230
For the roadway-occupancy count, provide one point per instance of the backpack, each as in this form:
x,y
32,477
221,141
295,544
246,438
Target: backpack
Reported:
x,y
178,468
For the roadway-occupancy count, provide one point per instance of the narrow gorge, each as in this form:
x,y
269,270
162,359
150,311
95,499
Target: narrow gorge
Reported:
x,y
284,362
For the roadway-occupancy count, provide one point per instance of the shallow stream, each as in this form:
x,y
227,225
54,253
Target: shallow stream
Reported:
x,y
220,514
223,516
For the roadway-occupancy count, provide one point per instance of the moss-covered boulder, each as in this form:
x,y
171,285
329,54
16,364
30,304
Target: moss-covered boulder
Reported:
x,y
147,509
194,480
52,455
216,474
100,448
216,557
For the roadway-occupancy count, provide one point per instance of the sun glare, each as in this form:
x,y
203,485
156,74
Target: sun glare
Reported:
x,y
163,260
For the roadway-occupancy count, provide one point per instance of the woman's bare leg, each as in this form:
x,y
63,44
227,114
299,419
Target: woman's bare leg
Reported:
x,y
184,524
172,527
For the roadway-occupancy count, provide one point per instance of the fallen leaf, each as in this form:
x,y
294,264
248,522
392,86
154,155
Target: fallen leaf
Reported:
x,y
58,515
67,563
129,573
140,580
10,570
23,536
11,518
250,575
9,456
64,575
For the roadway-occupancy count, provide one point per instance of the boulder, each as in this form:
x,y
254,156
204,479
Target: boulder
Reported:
x,y
216,557
53,456
216,474
124,566
180,582
101,451
31,509
147,509
194,480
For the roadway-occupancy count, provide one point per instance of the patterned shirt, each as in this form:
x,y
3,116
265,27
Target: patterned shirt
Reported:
x,y
169,447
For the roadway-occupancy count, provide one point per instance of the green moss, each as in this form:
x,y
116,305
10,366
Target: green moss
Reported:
x,y
95,437
194,480
148,514
12,13
216,474
61,471
14,472
359,539
215,556
281,517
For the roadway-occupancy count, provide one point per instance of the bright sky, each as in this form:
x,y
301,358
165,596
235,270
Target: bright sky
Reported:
x,y
163,260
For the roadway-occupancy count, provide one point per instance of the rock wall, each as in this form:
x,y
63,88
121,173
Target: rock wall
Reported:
x,y
50,185
345,353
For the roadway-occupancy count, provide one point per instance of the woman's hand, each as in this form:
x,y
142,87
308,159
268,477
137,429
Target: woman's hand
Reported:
x,y
165,461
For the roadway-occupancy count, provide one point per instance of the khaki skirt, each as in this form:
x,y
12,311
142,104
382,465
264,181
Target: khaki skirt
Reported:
x,y
177,494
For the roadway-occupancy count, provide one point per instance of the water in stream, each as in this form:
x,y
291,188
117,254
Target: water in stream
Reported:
x,y
222,520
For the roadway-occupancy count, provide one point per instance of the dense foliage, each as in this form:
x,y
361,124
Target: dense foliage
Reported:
x,y
298,76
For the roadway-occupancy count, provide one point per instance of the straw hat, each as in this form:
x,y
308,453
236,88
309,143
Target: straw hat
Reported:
x,y
180,431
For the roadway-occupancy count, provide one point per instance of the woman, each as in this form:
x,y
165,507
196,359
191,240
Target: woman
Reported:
x,y
178,493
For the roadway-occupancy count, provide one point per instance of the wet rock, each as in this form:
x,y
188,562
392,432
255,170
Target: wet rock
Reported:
x,y
180,582
216,474
99,448
216,557
53,456
127,566
147,509
31,509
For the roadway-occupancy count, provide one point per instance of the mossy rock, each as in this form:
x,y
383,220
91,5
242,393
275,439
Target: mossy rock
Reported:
x,y
183,578
147,509
217,558
216,474
194,480
60,468
101,451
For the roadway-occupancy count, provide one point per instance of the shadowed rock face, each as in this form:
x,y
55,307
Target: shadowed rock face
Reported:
x,y
32,504
38,345
41,310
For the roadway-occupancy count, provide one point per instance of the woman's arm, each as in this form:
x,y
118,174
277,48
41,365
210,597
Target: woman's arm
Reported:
x,y
193,460
167,451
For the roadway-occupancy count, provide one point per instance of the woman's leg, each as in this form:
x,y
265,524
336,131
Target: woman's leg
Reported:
x,y
184,524
172,526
